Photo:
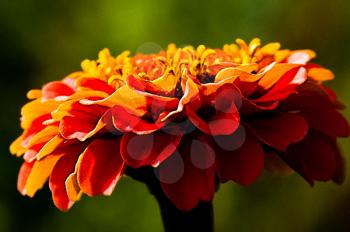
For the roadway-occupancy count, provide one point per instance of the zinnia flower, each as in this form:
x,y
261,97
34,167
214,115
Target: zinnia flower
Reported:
x,y
198,116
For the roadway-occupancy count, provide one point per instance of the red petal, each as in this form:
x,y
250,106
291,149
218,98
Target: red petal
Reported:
x,y
243,165
226,116
55,89
83,120
285,86
96,84
313,157
193,184
23,175
151,149
127,122
63,168
145,86
35,127
279,131
339,174
100,167
328,121
250,107
309,96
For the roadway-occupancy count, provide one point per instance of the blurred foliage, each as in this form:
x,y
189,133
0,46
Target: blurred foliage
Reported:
x,y
44,40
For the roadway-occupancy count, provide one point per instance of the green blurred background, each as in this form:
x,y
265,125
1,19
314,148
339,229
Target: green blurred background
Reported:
x,y
44,40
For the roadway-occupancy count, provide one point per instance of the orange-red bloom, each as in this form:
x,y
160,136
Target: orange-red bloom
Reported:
x,y
196,115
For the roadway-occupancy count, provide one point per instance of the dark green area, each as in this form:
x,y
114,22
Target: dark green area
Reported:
x,y
44,40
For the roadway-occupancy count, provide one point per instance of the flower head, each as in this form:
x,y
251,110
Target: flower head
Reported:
x,y
196,115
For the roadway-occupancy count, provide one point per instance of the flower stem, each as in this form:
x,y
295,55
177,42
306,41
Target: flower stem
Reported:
x,y
201,218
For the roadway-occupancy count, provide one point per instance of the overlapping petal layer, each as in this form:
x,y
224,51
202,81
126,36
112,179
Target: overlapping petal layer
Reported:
x,y
198,116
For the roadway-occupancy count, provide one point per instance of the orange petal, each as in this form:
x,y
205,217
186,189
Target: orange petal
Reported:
x,y
43,136
16,147
320,74
124,97
34,94
39,174
35,109
167,82
273,75
73,190
50,146
242,73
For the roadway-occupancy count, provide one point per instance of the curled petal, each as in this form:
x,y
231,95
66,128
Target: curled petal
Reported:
x,y
190,94
81,121
163,86
127,122
124,97
73,189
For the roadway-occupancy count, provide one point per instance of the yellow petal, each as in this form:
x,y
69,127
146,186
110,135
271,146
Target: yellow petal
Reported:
x,y
206,53
121,57
253,45
270,48
200,50
281,55
242,44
